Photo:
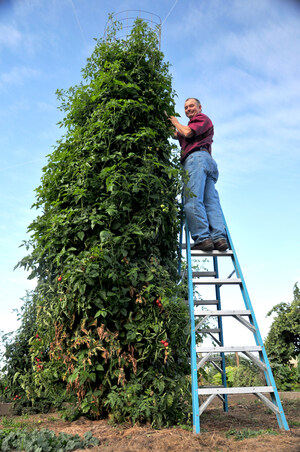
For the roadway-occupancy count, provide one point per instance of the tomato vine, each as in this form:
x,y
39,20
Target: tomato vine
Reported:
x,y
104,244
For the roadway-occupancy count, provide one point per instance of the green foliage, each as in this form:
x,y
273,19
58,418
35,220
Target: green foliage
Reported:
x,y
44,441
15,355
283,340
286,377
104,244
246,374
283,343
18,364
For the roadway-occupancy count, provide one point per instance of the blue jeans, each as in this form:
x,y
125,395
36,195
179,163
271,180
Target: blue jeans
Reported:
x,y
203,211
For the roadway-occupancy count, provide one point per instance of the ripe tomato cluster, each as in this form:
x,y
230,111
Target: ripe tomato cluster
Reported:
x,y
165,343
39,363
158,303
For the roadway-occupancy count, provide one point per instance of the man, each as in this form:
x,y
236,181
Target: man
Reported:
x,y
201,200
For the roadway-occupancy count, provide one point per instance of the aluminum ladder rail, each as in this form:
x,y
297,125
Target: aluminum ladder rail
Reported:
x,y
201,354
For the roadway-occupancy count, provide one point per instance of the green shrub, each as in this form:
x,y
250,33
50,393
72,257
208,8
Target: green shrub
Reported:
x,y
246,374
287,377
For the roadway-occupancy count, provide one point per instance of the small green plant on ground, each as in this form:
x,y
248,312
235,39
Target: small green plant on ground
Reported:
x,y
239,435
11,424
294,423
44,441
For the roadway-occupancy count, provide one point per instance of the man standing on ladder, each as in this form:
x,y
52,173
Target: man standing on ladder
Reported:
x,y
201,200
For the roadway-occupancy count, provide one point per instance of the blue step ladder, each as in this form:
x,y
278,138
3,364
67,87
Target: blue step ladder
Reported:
x,y
203,311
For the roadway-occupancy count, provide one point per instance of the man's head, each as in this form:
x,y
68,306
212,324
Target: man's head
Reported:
x,y
192,107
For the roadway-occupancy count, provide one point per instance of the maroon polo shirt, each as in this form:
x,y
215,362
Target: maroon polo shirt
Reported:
x,y
203,136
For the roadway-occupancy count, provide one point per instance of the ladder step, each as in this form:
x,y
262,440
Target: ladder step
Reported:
x,y
205,274
245,390
203,302
210,330
218,281
211,253
222,313
213,359
230,349
208,253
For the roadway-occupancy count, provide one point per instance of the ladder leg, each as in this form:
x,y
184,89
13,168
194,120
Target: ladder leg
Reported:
x,y
180,241
195,397
221,337
281,419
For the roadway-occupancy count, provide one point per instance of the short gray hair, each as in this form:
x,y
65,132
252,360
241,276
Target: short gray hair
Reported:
x,y
197,100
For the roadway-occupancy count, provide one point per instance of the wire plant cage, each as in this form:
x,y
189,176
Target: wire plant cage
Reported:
x,y
127,18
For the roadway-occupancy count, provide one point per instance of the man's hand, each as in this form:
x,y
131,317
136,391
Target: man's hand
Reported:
x,y
174,121
185,131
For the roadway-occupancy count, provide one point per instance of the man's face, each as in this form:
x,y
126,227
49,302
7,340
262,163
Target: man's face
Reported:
x,y
191,108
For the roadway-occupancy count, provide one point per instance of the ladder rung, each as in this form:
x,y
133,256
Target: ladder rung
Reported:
x,y
205,274
205,302
202,302
218,281
214,359
208,253
211,253
210,330
212,387
245,390
230,349
222,313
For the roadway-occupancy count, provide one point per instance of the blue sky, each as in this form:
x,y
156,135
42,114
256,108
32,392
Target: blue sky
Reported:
x,y
240,58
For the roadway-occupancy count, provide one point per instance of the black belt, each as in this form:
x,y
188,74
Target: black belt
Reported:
x,y
201,148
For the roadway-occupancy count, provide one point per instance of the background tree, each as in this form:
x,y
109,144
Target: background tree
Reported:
x,y
283,342
104,245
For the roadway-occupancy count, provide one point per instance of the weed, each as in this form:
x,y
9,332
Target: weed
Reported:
x,y
10,423
52,419
184,427
239,435
294,423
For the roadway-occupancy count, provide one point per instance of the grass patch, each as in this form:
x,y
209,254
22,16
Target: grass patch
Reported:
x,y
294,423
11,424
239,435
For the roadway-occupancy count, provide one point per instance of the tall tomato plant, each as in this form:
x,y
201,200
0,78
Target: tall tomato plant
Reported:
x,y
104,248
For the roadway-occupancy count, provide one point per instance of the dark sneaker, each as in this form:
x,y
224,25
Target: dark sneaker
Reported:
x,y
221,245
206,245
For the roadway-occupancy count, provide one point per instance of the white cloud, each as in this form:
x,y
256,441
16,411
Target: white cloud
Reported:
x,y
12,39
18,75
9,36
46,106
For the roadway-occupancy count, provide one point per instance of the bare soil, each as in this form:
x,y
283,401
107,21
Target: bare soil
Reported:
x,y
216,426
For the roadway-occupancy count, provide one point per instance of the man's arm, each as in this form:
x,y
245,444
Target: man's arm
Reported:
x,y
185,131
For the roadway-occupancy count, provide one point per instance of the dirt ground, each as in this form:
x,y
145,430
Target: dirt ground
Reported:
x,y
216,426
